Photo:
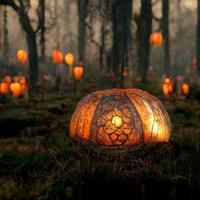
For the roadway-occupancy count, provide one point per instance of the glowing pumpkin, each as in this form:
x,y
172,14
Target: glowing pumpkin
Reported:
x,y
15,88
168,87
78,72
4,88
69,59
120,117
57,57
156,39
185,89
22,56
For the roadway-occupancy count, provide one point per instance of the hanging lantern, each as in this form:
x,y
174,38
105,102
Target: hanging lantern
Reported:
x,y
168,86
15,88
57,57
156,39
7,79
120,117
69,59
78,72
22,56
4,88
185,89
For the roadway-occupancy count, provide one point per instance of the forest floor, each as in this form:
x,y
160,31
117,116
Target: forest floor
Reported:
x,y
38,160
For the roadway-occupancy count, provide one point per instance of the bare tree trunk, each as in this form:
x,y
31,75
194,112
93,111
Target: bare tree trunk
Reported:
x,y
144,24
165,11
121,17
82,12
5,34
42,28
198,36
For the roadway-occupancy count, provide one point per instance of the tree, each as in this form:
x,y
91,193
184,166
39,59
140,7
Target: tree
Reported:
x,y
144,29
121,17
165,27
198,35
21,8
82,12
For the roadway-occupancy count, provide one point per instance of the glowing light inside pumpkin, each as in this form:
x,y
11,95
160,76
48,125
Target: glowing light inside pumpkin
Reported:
x,y
117,121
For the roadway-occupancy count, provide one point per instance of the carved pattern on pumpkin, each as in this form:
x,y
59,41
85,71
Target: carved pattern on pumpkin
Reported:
x,y
144,118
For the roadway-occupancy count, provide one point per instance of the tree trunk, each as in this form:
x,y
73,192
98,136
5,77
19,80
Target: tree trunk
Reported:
x,y
42,28
33,61
144,25
82,12
165,10
121,16
5,34
198,36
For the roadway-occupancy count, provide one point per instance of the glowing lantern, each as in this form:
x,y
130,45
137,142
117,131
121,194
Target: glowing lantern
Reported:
x,y
8,79
78,72
22,56
15,88
185,89
4,88
69,59
57,57
120,117
168,87
156,39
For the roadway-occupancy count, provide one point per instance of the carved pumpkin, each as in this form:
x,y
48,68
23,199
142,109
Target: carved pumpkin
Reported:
x,y
156,39
4,88
78,72
120,117
22,56
57,57
69,59
168,87
185,89
15,88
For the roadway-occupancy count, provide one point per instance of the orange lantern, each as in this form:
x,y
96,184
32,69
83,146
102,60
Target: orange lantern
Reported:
x,y
78,72
15,88
8,79
22,79
22,56
185,89
168,86
4,88
120,117
69,59
156,39
57,57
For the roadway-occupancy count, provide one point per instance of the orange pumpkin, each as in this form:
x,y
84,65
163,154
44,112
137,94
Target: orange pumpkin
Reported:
x,y
156,39
69,59
15,88
4,88
78,72
120,117
22,56
168,87
57,57
185,89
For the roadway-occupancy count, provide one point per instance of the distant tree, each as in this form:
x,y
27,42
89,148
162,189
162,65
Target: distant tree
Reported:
x,y
144,29
5,33
198,35
165,28
82,13
21,8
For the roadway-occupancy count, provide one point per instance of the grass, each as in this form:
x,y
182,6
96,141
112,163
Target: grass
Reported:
x,y
42,162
